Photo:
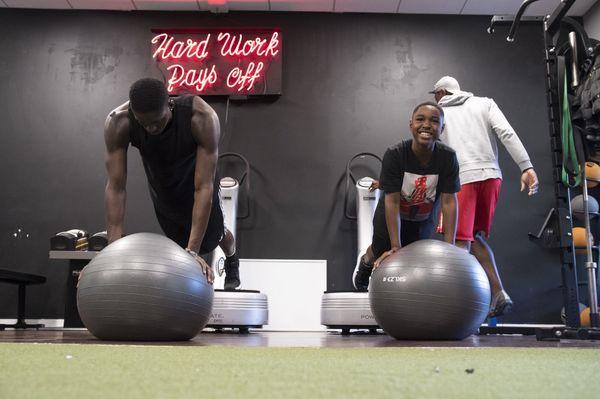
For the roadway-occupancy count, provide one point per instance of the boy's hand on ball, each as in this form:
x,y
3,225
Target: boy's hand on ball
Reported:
x,y
385,255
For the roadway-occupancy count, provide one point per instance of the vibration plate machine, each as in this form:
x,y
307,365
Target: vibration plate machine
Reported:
x,y
236,309
350,310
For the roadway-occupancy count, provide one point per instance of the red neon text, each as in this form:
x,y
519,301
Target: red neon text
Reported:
x,y
235,46
199,79
217,62
245,79
170,48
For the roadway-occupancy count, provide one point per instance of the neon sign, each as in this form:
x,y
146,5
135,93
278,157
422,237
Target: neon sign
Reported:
x,y
219,61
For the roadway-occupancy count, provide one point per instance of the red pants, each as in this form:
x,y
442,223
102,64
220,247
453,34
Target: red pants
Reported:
x,y
476,207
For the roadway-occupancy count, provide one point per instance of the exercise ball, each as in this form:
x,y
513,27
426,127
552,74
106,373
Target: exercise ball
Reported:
x,y
585,318
578,209
584,315
430,290
578,234
144,287
592,174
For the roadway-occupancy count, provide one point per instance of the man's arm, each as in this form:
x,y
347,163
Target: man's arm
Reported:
x,y
206,132
508,137
449,213
116,137
515,148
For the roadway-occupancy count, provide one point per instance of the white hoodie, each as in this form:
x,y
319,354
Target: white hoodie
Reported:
x,y
471,123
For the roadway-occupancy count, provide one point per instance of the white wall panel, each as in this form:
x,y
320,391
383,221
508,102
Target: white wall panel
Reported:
x,y
294,289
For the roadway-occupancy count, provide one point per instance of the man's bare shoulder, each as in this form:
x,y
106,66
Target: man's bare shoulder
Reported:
x,y
116,127
205,124
202,109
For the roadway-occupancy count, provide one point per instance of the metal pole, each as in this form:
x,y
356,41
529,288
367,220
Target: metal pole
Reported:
x,y
574,60
590,265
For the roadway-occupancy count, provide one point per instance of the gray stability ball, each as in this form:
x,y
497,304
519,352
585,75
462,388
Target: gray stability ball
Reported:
x,y
430,290
578,209
144,287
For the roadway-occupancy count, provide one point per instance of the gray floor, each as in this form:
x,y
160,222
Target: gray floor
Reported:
x,y
329,339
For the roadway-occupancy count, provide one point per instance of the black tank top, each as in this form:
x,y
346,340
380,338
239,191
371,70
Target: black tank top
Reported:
x,y
169,160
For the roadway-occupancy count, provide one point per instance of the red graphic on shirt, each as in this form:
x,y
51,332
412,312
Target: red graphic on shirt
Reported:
x,y
420,189
417,196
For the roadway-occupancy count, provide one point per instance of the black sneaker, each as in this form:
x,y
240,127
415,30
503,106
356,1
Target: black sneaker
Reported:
x,y
361,276
501,304
232,273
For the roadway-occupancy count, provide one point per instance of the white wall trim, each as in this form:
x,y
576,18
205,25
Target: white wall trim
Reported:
x,y
49,323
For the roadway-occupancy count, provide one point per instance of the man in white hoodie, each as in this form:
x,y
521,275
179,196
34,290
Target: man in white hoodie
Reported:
x,y
471,124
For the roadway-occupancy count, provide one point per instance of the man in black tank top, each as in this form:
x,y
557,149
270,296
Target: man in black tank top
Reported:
x,y
178,141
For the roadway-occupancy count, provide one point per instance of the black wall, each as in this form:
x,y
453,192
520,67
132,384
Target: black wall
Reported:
x,y
349,84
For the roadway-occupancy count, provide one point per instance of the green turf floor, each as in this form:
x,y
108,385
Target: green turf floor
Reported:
x,y
112,371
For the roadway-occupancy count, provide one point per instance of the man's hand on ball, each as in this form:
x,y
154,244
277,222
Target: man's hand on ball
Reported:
x,y
206,269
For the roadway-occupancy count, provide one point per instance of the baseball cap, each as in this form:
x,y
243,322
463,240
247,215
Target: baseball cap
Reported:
x,y
447,83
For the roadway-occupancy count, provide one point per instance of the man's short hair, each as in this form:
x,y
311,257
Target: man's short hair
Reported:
x,y
431,103
148,95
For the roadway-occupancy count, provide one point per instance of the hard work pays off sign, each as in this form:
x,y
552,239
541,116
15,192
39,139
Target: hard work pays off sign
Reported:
x,y
219,61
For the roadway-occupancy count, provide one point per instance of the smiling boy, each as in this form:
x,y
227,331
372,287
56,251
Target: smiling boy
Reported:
x,y
417,176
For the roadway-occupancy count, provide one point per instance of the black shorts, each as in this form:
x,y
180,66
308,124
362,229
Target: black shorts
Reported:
x,y
409,231
179,231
